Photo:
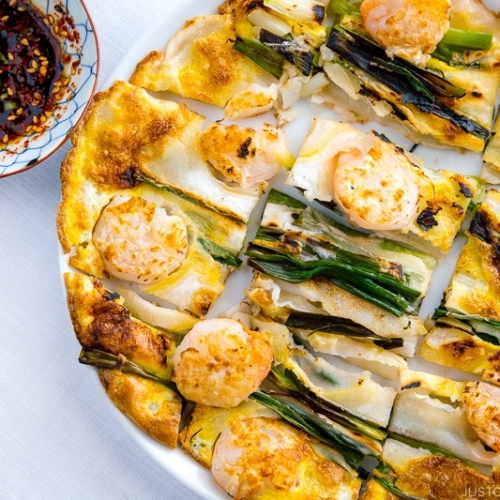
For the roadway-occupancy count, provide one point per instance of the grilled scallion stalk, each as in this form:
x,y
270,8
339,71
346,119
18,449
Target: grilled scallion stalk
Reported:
x,y
456,40
261,54
312,246
366,56
343,7
339,326
305,11
487,330
101,359
299,54
288,382
219,253
304,418
471,297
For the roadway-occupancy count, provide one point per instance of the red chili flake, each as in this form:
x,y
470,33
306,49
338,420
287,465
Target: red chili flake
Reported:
x,y
31,67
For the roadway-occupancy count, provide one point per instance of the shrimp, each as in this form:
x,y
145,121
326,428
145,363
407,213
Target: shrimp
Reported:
x,y
220,362
261,457
378,188
241,154
139,241
410,29
482,407
254,100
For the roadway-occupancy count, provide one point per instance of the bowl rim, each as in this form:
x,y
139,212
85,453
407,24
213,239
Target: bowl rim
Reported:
x,y
84,108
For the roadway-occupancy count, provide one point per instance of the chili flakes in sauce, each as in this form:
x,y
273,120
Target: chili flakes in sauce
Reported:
x,y
31,69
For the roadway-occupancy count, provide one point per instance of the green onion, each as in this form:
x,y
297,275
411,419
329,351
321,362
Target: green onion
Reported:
x,y
219,253
287,381
339,326
305,11
351,276
359,53
414,81
101,359
390,486
312,246
302,417
343,7
8,105
462,40
261,54
299,54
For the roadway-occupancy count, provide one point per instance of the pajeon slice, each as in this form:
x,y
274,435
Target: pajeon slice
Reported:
x,y
135,186
200,62
381,187
134,358
491,158
466,334
442,90
450,450
353,392
417,473
252,453
297,243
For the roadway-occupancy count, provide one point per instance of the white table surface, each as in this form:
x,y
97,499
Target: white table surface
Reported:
x,y
57,438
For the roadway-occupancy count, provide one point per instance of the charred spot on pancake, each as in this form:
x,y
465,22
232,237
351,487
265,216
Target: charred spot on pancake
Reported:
x,y
244,151
426,219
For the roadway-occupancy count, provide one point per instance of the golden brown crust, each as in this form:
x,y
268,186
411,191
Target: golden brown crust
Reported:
x,y
102,323
200,63
239,8
375,491
442,478
480,260
150,405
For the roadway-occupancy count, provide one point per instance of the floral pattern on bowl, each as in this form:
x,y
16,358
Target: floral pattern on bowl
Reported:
x,y
80,52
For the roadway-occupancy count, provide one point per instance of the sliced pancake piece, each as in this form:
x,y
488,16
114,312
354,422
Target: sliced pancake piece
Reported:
x,y
134,358
381,187
101,322
152,406
458,115
200,62
320,307
298,244
353,391
443,440
145,152
415,472
466,334
491,158
252,453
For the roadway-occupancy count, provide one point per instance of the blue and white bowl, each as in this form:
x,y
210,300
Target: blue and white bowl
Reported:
x,y
80,52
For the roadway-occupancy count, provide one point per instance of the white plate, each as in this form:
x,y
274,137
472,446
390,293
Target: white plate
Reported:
x,y
175,462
